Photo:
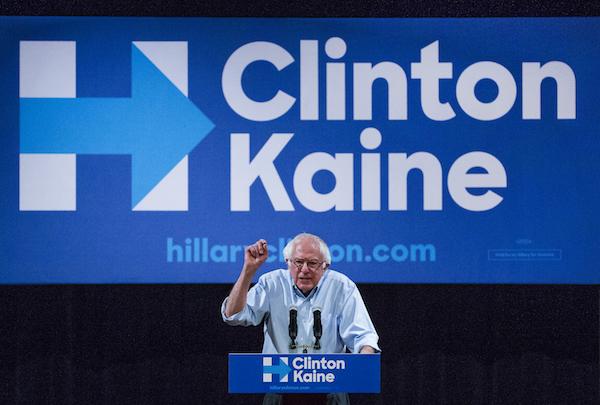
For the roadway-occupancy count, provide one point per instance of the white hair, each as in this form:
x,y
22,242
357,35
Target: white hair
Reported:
x,y
287,251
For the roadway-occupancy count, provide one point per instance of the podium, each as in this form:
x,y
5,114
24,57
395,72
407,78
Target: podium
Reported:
x,y
304,373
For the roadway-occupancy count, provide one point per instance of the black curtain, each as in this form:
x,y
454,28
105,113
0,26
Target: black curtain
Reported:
x,y
166,344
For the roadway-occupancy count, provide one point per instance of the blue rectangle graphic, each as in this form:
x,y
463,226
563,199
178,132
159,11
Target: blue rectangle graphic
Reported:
x,y
314,373
524,254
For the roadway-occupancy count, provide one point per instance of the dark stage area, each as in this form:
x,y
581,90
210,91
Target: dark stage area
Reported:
x,y
118,344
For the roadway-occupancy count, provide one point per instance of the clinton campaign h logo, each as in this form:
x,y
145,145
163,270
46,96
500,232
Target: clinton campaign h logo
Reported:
x,y
282,369
158,126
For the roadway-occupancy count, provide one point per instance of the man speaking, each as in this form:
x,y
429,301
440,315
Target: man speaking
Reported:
x,y
306,309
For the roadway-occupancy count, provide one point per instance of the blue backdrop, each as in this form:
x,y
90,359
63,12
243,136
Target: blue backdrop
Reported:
x,y
544,229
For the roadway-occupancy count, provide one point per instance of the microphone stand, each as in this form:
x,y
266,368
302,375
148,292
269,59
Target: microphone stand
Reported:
x,y
317,328
293,327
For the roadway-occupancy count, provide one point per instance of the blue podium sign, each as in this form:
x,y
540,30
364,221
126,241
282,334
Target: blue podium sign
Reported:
x,y
304,373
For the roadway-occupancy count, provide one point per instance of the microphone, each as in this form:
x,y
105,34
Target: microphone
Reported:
x,y
317,327
293,327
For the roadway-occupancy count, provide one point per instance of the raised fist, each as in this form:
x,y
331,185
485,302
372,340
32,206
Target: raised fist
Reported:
x,y
255,255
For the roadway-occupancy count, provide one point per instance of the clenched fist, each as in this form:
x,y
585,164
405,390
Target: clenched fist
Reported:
x,y
255,255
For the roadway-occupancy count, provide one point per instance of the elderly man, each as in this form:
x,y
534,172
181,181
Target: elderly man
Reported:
x,y
307,286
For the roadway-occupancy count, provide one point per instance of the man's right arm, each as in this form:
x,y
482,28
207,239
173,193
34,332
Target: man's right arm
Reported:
x,y
254,256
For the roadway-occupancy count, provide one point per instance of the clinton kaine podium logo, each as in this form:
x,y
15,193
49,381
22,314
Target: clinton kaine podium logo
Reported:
x,y
303,369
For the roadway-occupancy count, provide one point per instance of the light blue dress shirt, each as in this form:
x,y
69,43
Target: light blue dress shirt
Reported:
x,y
344,317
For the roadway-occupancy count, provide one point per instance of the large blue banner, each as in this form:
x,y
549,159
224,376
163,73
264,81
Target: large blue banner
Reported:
x,y
151,150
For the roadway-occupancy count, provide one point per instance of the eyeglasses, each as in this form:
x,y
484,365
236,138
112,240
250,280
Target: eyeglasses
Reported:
x,y
311,264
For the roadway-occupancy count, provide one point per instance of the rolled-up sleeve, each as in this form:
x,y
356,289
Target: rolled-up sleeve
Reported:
x,y
257,305
356,328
